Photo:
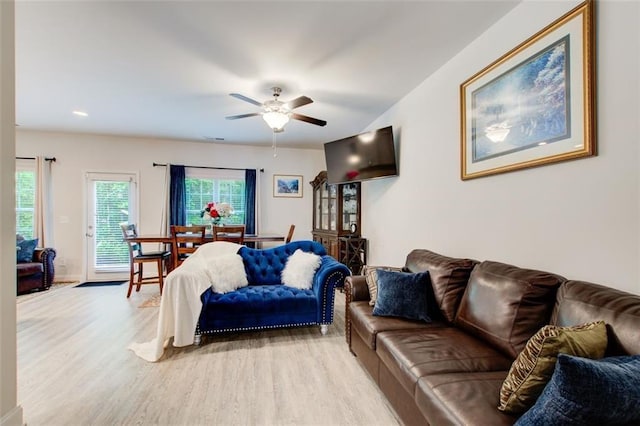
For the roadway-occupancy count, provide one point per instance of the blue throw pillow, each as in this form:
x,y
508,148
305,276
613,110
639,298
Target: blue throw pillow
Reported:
x,y
26,249
583,391
402,294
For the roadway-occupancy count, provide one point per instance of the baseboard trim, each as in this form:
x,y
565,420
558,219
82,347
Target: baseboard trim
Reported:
x,y
12,418
68,278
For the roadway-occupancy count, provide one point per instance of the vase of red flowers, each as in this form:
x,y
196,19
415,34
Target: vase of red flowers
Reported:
x,y
215,212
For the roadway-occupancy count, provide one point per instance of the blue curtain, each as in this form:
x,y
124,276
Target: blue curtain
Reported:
x,y
250,200
178,196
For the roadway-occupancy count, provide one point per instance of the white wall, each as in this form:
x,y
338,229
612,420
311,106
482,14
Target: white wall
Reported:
x,y
579,218
77,154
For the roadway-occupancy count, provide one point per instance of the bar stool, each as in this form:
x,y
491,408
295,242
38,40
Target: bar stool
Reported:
x,y
137,258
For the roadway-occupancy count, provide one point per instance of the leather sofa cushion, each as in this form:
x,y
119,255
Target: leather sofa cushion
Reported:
x,y
578,302
411,354
505,305
368,326
449,278
462,398
29,268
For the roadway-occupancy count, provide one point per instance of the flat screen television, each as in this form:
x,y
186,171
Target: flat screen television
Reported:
x,y
369,155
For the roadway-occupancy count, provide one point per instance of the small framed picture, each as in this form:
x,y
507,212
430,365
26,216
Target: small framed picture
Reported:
x,y
288,186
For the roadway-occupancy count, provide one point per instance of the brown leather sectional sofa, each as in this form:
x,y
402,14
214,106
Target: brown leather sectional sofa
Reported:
x,y
450,371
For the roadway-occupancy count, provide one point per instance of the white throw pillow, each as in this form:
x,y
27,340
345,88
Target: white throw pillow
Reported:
x,y
226,273
300,269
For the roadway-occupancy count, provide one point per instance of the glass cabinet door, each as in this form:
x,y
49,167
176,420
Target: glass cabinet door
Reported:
x,y
324,206
349,206
316,208
333,194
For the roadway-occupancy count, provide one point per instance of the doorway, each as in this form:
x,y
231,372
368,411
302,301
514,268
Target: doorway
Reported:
x,y
111,200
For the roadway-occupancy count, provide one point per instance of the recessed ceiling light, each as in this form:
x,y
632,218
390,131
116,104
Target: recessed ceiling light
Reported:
x,y
81,113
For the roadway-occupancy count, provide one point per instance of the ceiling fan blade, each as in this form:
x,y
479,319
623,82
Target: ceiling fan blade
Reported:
x,y
246,99
235,117
308,119
298,102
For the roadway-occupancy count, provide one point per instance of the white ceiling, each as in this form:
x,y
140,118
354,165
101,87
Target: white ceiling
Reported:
x,y
165,69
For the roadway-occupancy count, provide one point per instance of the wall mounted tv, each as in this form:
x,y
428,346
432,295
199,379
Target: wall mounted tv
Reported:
x,y
369,155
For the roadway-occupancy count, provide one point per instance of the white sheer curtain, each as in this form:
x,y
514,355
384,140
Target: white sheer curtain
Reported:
x,y
166,196
44,203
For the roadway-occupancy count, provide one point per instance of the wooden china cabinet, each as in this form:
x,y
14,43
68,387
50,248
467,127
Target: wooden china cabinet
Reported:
x,y
336,221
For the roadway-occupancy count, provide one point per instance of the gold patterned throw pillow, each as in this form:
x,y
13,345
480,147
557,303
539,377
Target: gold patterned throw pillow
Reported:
x,y
371,276
534,366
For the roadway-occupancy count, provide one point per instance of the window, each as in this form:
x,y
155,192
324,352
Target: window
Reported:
x,y
219,186
26,198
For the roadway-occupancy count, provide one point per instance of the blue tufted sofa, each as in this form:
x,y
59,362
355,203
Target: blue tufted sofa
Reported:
x,y
266,302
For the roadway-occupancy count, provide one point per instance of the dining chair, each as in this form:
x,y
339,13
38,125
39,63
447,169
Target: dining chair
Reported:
x,y
186,240
290,234
137,258
231,233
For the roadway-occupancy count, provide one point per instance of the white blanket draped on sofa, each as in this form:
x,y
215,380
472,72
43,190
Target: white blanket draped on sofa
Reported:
x,y
180,305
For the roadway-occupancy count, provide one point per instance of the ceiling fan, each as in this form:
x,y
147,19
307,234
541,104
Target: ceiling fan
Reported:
x,y
277,113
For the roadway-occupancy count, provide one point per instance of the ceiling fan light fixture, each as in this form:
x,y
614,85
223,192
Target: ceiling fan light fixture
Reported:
x,y
277,113
276,120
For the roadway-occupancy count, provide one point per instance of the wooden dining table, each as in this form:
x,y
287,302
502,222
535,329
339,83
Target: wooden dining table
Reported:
x,y
258,239
167,239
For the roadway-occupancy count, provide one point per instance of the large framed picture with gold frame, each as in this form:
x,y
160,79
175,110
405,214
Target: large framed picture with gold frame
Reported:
x,y
536,104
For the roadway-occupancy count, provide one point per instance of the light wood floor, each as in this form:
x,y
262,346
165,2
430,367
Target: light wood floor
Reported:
x,y
74,369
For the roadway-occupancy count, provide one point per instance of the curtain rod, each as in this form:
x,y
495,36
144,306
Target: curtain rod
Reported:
x,y
33,158
202,167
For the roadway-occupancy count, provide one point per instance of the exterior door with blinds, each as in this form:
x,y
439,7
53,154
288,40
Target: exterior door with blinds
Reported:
x,y
111,200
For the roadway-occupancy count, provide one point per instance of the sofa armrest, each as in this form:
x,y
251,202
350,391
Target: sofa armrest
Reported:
x,y
46,256
330,274
355,289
